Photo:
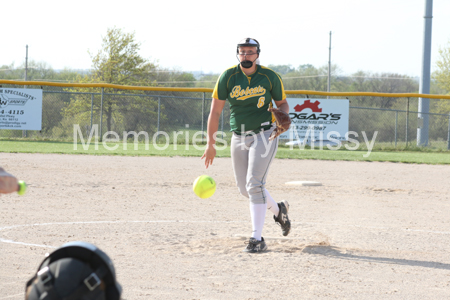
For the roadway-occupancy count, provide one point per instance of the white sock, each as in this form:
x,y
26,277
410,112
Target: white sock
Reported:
x,y
258,214
271,204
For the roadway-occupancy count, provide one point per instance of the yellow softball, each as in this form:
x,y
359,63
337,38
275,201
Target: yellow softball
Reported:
x,y
204,186
22,187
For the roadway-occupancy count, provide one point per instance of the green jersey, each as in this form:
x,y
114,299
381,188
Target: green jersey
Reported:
x,y
250,96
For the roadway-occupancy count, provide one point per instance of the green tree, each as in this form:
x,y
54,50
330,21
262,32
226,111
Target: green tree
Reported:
x,y
37,71
119,62
10,72
380,83
207,81
307,77
442,78
282,69
172,78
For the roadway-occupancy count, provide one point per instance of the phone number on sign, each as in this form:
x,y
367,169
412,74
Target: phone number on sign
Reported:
x,y
12,112
310,127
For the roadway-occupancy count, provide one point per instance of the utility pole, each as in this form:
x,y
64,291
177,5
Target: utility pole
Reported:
x,y
24,132
424,87
329,66
26,65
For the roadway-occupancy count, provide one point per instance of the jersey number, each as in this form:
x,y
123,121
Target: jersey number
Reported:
x,y
261,102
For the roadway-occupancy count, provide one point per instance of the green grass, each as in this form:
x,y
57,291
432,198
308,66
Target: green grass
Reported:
x,y
405,156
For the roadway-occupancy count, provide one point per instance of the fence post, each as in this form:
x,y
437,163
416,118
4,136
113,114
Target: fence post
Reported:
x,y
448,134
101,114
92,109
396,122
159,114
203,113
407,119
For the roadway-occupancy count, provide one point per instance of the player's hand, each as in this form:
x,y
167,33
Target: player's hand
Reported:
x,y
8,183
208,155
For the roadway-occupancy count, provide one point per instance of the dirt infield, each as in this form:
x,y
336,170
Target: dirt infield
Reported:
x,y
372,231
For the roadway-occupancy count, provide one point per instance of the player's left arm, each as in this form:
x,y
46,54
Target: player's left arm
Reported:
x,y
278,94
283,105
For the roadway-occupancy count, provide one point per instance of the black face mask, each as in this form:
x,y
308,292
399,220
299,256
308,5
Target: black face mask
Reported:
x,y
246,64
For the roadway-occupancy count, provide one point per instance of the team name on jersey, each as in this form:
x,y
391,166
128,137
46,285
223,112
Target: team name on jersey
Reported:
x,y
240,94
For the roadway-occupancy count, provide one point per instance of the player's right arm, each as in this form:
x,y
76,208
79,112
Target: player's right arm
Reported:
x,y
219,97
8,183
212,127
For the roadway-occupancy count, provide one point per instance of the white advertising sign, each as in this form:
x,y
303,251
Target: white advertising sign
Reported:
x,y
317,119
21,109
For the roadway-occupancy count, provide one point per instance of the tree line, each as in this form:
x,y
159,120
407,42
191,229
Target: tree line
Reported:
x,y
118,62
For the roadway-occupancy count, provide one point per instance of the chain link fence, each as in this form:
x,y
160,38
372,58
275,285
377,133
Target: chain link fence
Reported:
x,y
181,117
393,121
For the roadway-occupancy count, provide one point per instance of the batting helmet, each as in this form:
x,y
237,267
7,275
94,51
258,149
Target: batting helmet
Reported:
x,y
248,42
76,270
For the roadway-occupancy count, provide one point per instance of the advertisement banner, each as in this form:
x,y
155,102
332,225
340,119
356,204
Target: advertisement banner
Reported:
x,y
21,109
317,120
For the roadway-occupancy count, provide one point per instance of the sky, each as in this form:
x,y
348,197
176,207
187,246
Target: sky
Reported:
x,y
377,36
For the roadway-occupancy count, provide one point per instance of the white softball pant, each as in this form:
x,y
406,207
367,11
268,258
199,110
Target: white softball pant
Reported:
x,y
251,157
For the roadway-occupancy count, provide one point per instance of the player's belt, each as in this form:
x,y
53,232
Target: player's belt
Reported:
x,y
252,132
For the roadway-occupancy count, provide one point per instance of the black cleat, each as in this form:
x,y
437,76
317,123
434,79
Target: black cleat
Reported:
x,y
255,246
283,219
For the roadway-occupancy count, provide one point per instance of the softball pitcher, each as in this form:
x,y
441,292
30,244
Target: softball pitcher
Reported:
x,y
250,88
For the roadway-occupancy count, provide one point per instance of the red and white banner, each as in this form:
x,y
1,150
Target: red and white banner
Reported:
x,y
317,120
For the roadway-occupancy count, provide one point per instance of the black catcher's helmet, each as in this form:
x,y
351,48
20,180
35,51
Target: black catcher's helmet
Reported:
x,y
248,42
75,271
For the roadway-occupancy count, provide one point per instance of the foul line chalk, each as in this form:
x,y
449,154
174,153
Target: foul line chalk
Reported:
x,y
187,221
13,296
304,183
113,222
91,222
25,244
